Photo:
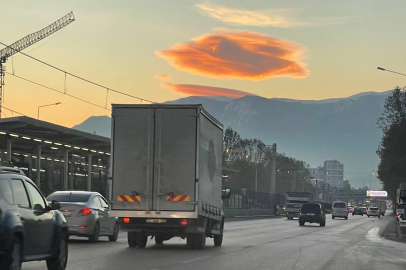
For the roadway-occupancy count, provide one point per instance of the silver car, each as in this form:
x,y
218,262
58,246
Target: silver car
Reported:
x,y
87,214
373,211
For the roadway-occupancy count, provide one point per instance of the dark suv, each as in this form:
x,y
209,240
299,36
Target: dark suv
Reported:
x,y
30,228
312,213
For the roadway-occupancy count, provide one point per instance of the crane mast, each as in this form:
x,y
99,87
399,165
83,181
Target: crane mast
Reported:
x,y
27,41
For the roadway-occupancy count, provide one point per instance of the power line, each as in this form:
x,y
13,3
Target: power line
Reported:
x,y
55,90
81,78
13,111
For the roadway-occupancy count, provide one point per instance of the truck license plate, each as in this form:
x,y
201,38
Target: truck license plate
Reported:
x,y
156,220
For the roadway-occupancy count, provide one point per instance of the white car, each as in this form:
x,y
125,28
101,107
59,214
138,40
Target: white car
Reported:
x,y
373,212
339,210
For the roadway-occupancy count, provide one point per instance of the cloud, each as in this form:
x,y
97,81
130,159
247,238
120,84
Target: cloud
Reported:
x,y
240,55
202,90
163,77
233,16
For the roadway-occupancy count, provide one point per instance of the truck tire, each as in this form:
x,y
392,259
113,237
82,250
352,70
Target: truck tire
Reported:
x,y
132,241
218,238
141,240
200,240
190,241
159,240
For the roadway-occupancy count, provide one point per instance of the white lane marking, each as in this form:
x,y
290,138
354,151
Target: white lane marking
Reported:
x,y
195,259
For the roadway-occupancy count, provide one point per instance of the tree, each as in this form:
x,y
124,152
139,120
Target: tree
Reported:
x,y
392,149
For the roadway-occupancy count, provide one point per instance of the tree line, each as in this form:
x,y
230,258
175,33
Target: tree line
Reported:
x,y
247,161
392,149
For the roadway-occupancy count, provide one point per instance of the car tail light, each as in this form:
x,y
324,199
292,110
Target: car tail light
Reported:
x,y
85,211
300,214
378,210
346,210
126,220
183,222
82,227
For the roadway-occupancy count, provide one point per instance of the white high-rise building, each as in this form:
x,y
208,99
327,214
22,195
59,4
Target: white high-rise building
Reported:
x,y
334,173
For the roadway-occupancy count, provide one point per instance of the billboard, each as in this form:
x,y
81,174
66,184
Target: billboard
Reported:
x,y
377,193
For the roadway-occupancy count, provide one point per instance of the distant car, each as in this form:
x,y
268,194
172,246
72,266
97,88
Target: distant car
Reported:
x,y
87,214
350,209
312,213
30,228
359,211
339,210
373,212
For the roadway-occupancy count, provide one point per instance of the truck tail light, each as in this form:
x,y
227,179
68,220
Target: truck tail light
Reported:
x,y
85,211
183,222
126,220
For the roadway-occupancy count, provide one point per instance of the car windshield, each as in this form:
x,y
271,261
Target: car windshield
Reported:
x,y
69,197
339,205
373,208
310,208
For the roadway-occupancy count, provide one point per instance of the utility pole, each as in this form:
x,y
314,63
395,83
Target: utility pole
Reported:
x,y
273,172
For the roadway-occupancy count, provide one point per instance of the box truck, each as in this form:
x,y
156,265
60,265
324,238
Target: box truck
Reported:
x,y
166,173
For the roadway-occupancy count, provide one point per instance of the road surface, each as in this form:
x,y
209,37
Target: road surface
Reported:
x,y
274,243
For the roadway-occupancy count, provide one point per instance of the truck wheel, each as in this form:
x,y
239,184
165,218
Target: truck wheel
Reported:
x,y
132,241
200,240
159,240
218,238
190,241
141,240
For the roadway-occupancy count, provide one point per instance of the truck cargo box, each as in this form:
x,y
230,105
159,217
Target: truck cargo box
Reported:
x,y
166,162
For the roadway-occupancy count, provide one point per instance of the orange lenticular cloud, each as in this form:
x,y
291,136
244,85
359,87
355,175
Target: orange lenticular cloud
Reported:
x,y
202,90
163,77
240,55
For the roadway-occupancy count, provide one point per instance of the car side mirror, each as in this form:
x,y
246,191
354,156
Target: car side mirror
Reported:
x,y
55,205
38,208
226,193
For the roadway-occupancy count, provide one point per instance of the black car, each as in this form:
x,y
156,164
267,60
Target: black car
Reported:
x,y
30,228
312,213
359,211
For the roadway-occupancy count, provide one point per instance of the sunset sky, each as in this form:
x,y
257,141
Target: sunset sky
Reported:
x,y
164,50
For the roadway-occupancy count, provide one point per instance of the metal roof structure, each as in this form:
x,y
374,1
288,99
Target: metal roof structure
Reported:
x,y
29,129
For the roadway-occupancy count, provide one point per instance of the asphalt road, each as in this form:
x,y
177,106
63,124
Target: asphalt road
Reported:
x,y
273,243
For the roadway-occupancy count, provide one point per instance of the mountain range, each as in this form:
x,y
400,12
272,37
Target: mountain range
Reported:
x,y
343,129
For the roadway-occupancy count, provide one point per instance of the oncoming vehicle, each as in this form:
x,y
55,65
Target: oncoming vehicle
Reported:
x,y
87,214
373,212
30,228
339,210
312,213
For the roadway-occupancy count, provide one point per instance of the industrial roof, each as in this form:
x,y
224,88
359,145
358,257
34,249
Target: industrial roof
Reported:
x,y
33,128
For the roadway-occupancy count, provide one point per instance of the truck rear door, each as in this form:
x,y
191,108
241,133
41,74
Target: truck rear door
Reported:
x,y
175,159
132,158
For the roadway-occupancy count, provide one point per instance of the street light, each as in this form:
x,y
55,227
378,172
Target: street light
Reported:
x,y
383,69
53,104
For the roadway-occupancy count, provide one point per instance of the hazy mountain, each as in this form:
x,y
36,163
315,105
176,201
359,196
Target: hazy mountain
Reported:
x,y
314,131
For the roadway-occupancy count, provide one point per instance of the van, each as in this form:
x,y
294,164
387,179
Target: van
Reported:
x,y
339,210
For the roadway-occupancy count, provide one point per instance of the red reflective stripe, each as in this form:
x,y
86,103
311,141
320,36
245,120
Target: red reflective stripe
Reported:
x,y
183,198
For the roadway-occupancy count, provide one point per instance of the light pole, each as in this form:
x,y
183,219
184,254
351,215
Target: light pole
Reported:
x,y
383,69
53,104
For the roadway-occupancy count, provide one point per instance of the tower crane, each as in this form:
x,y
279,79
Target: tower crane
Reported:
x,y
27,41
